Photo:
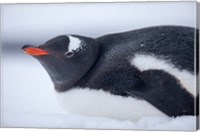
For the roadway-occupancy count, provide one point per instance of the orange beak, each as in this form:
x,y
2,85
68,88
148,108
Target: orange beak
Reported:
x,y
34,51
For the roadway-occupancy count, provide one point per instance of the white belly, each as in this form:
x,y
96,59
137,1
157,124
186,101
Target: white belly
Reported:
x,y
99,103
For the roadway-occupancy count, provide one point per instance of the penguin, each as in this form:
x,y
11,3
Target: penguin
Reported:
x,y
126,76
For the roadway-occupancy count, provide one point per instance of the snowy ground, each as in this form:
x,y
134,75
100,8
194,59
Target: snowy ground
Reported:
x,y
28,101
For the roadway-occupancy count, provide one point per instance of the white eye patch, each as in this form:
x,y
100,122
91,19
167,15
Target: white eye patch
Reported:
x,y
74,44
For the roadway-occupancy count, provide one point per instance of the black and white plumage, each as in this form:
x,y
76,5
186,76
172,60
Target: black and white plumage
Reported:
x,y
127,75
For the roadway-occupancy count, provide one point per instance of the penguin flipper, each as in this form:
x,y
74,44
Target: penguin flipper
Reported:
x,y
164,92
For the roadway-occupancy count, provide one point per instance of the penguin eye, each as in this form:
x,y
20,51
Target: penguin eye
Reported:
x,y
69,54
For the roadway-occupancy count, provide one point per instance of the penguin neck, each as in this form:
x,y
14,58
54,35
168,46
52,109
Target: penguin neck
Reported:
x,y
80,72
62,86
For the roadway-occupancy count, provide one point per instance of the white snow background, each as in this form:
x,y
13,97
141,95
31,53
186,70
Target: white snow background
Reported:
x,y
27,94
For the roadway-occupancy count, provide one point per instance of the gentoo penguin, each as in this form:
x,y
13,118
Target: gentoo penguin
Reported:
x,y
129,75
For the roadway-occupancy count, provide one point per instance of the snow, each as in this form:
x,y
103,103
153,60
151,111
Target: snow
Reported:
x,y
29,99
38,120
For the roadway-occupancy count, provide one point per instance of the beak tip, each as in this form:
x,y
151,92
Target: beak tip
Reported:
x,y
34,51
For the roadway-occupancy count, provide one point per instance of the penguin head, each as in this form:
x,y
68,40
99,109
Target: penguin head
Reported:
x,y
66,58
